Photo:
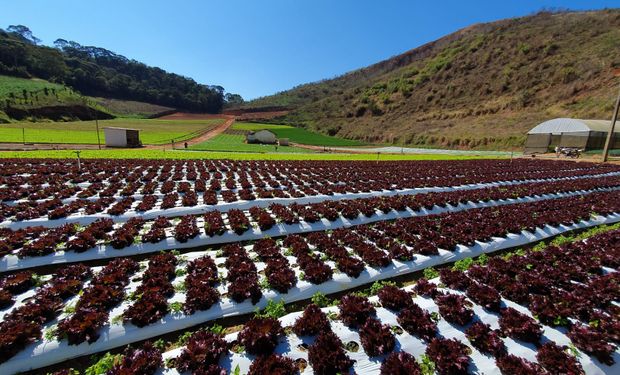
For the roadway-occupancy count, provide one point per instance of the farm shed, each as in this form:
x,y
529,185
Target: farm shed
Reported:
x,y
261,136
122,137
568,132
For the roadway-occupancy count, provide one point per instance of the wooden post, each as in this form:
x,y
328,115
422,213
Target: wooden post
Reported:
x,y
610,135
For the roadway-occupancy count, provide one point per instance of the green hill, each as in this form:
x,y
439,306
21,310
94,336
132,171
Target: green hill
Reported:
x,y
98,72
23,99
481,87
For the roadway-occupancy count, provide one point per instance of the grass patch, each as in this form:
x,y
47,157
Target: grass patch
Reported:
x,y
297,135
236,143
161,154
152,131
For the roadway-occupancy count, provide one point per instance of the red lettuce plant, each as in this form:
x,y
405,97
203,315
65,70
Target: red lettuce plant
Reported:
x,y
519,326
311,322
203,350
355,310
486,340
377,339
394,298
454,308
454,279
513,365
592,342
417,321
260,335
186,229
485,296
555,360
327,356
149,308
15,335
145,360
425,288
400,363
273,364
449,356
83,325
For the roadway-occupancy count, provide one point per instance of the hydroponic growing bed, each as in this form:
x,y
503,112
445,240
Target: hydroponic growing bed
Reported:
x,y
254,232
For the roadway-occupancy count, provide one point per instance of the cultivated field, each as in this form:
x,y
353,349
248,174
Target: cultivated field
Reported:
x,y
236,143
152,131
440,255
297,135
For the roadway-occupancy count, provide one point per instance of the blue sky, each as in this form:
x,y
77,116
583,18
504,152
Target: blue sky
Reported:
x,y
259,47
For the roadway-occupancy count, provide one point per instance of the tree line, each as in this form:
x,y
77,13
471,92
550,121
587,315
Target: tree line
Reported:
x,y
97,71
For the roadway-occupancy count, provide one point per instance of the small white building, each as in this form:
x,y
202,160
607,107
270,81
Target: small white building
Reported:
x,y
122,137
261,136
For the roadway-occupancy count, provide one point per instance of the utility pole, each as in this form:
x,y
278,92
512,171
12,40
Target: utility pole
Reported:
x,y
23,135
610,135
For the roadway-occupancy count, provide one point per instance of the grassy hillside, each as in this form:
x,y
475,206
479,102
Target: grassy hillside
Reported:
x,y
132,108
34,98
96,71
481,87
23,98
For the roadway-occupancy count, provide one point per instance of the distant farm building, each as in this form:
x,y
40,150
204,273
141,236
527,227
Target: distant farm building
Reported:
x,y
568,132
122,137
261,136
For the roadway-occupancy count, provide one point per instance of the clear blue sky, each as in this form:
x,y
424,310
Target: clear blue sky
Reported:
x,y
259,47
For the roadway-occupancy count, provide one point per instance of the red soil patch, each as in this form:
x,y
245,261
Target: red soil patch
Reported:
x,y
193,116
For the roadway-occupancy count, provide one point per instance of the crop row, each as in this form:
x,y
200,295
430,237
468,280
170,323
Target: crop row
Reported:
x,y
37,241
471,320
285,268
79,209
106,178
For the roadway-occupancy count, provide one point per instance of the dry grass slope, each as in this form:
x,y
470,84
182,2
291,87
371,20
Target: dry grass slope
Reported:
x,y
481,87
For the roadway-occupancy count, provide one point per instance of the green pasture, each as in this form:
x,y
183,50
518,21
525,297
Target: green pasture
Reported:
x,y
161,154
297,135
152,131
236,143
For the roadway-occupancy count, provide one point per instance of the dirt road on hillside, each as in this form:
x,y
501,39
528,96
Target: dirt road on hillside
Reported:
x,y
212,133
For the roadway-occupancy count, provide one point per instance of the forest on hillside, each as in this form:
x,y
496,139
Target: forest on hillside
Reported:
x,y
97,71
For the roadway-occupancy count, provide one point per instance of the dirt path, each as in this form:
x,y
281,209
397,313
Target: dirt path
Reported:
x,y
229,120
213,132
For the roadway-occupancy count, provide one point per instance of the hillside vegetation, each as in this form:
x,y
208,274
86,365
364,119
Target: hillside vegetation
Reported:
x,y
35,98
96,71
481,87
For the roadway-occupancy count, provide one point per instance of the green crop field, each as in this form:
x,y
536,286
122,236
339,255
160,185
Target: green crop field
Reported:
x,y
297,135
22,92
236,143
160,154
152,131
